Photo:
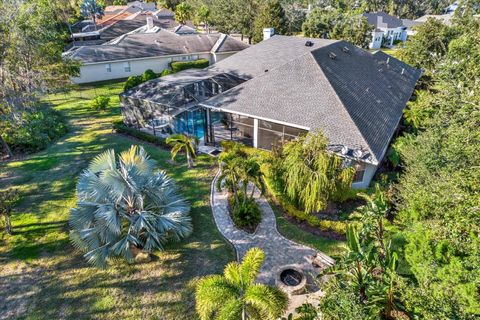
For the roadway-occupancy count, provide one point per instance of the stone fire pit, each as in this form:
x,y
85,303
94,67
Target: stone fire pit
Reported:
x,y
291,280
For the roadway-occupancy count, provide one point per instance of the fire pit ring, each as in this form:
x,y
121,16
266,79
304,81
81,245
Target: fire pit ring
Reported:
x,y
291,280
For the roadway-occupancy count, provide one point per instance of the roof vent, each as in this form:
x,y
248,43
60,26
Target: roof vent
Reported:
x,y
403,70
344,150
345,49
266,70
357,153
309,44
388,60
332,55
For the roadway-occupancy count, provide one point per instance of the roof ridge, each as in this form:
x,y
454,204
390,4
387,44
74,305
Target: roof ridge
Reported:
x,y
340,100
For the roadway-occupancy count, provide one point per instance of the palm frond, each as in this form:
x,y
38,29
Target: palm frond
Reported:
x,y
251,264
270,302
232,273
211,293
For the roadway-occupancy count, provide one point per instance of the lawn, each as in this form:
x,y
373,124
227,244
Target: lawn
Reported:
x,y
43,278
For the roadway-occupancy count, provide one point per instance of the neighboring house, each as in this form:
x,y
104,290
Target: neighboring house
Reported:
x,y
132,54
444,18
387,29
281,88
120,20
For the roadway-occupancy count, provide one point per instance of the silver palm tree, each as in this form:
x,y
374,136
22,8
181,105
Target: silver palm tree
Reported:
x,y
124,207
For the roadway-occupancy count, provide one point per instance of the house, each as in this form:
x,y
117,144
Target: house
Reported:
x,y
387,29
444,18
120,20
134,53
278,89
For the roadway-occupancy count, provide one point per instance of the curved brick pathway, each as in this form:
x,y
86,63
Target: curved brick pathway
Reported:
x,y
279,251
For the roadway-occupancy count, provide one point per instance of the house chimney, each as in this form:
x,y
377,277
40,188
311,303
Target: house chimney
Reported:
x,y
268,33
149,22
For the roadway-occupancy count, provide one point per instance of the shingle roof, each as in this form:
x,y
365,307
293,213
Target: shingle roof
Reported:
x,y
143,45
357,98
383,20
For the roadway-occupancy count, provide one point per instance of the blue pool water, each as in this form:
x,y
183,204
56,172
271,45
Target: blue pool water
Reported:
x,y
193,122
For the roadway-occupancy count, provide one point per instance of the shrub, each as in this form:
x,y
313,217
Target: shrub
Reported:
x,y
165,72
120,127
247,215
37,130
149,75
179,65
100,102
131,82
339,227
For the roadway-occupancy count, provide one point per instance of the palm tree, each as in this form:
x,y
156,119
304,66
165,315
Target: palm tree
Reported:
x,y
183,13
123,207
235,295
240,171
183,141
91,8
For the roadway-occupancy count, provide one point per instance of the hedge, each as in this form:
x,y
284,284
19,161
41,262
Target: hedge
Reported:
x,y
120,127
177,66
339,227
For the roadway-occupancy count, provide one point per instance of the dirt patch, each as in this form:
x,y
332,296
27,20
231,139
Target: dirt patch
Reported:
x,y
340,211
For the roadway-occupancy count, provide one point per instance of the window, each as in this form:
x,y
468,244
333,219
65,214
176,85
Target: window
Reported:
x,y
359,172
126,66
273,134
108,66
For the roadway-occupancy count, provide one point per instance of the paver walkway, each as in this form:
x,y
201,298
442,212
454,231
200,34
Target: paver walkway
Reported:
x,y
279,251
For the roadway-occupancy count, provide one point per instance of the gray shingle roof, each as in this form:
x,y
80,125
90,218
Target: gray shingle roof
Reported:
x,y
357,98
383,20
163,42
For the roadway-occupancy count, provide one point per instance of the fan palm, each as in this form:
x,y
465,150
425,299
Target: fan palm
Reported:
x,y
183,142
235,295
123,207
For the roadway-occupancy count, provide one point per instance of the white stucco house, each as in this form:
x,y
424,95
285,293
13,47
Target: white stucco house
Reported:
x,y
388,29
154,49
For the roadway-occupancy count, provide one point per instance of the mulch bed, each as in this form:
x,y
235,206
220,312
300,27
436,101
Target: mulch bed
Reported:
x,y
303,225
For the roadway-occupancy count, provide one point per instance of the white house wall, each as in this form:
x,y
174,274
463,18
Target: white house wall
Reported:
x,y
98,71
370,170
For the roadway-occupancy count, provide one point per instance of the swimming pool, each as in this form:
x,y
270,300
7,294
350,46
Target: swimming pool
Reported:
x,y
192,122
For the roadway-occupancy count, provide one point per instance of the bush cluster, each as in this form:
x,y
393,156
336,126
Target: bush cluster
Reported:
x,y
100,102
177,66
339,227
120,127
38,129
246,215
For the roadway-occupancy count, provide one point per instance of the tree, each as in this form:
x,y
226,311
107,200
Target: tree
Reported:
x,y
124,207
428,46
7,200
238,172
203,16
438,192
32,38
271,15
183,13
334,24
235,16
186,143
92,9
312,176
235,295
295,18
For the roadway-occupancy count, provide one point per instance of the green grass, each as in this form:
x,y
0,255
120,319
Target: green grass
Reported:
x,y
43,278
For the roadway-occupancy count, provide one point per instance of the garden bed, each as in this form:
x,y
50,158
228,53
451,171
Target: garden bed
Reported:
x,y
240,223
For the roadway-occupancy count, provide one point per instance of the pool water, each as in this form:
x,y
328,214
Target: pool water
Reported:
x,y
193,122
